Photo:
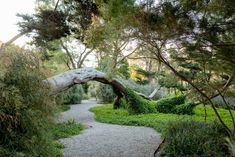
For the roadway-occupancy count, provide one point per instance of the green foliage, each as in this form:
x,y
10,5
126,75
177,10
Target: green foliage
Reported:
x,y
26,109
167,105
104,93
186,108
231,145
92,89
168,81
141,81
49,25
190,138
123,69
64,108
158,121
118,10
73,95
143,77
145,73
66,129
123,104
85,97
137,104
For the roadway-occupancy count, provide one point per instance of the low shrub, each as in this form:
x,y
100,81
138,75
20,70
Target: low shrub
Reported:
x,y
166,105
85,97
138,105
190,138
123,103
186,108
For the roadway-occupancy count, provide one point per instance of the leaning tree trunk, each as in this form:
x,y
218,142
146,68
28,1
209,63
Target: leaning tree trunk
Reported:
x,y
6,44
67,79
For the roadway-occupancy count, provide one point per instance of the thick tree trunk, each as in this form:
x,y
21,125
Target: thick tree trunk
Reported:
x,y
67,79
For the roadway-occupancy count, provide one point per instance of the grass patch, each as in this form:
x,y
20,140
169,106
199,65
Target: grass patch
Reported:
x,y
66,129
64,108
158,121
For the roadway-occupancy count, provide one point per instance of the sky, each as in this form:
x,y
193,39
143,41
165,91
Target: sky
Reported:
x,y
8,11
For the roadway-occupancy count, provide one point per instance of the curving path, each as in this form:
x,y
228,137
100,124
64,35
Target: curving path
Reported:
x,y
107,140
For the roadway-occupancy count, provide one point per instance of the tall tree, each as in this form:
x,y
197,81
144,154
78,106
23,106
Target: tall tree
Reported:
x,y
199,34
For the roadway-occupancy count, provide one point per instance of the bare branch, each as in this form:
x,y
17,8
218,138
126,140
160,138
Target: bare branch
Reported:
x,y
68,54
142,57
128,55
56,5
79,64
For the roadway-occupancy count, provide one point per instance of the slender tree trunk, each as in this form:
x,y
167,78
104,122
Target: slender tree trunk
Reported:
x,y
4,45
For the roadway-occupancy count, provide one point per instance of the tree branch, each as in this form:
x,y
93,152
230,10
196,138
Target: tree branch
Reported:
x,y
4,45
79,65
68,54
128,55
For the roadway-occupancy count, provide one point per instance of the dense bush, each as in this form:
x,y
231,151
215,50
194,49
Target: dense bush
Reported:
x,y
167,105
138,105
104,93
26,109
73,95
189,138
66,129
91,91
186,108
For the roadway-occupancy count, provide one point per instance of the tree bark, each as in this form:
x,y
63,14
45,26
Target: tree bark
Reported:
x,y
63,81
67,79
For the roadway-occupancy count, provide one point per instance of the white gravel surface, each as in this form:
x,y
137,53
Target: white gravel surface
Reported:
x,y
107,140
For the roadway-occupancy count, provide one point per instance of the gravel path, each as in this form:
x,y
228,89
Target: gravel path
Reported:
x,y
107,140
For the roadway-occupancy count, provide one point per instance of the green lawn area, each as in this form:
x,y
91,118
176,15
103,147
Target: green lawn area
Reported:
x,y
158,121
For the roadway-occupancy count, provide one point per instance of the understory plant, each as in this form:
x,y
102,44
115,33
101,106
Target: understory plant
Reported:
x,y
26,108
136,104
73,95
190,138
167,105
102,92
186,108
